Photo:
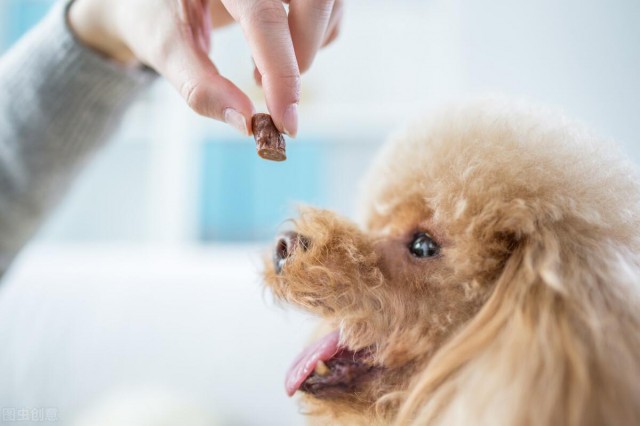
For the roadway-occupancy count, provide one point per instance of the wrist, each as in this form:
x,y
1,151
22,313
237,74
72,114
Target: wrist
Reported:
x,y
85,21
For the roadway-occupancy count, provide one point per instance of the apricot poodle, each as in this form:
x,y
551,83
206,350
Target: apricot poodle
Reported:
x,y
494,279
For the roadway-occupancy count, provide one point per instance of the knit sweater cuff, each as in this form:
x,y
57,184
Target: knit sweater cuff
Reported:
x,y
59,102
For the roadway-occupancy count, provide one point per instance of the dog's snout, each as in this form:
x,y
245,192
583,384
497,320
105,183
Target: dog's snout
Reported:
x,y
286,245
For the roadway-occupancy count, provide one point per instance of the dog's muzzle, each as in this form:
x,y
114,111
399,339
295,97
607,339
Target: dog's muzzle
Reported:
x,y
287,243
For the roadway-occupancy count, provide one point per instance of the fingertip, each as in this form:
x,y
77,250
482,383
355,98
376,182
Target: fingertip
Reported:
x,y
309,22
238,115
331,37
236,120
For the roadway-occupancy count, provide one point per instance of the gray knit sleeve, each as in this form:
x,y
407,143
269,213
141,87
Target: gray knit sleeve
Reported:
x,y
59,102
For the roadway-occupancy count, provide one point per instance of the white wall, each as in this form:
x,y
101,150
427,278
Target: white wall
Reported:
x,y
580,55
393,61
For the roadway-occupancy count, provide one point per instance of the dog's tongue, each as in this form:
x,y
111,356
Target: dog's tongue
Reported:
x,y
305,363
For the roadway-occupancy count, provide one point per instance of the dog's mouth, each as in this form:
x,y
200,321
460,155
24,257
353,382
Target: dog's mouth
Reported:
x,y
326,368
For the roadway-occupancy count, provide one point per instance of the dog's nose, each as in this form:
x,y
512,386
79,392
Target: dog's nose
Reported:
x,y
286,245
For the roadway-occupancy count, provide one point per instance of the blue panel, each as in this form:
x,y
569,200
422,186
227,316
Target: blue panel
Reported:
x,y
17,17
246,198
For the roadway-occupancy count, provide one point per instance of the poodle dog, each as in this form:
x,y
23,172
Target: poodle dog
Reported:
x,y
493,280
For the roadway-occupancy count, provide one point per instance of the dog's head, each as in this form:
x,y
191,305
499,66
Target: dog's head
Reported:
x,y
494,262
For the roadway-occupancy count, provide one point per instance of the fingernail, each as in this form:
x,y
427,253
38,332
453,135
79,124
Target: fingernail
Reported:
x,y
236,120
290,120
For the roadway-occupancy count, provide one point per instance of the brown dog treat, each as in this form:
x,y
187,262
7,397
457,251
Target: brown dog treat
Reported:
x,y
269,141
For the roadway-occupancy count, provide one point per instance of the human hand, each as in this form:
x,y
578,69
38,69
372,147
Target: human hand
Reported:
x,y
173,37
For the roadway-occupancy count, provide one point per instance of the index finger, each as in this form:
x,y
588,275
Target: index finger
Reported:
x,y
266,28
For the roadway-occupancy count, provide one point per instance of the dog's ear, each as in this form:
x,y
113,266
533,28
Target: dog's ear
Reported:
x,y
556,343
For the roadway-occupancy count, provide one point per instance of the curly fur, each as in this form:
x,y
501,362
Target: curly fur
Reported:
x,y
530,314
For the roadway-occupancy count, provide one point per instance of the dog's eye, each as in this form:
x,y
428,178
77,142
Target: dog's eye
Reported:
x,y
423,245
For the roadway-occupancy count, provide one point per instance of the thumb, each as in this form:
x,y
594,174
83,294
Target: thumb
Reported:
x,y
196,78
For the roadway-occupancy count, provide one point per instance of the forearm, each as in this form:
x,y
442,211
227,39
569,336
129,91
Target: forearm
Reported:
x,y
59,102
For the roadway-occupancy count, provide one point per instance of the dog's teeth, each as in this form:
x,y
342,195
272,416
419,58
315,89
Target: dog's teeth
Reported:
x,y
321,369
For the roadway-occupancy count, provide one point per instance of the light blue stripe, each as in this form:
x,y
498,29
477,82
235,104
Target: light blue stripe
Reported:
x,y
246,198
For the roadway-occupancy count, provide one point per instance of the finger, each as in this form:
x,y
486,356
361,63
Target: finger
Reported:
x,y
308,21
220,17
265,26
209,94
335,24
257,76
331,37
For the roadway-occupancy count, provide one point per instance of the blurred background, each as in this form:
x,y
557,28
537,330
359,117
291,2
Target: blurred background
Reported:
x,y
144,284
